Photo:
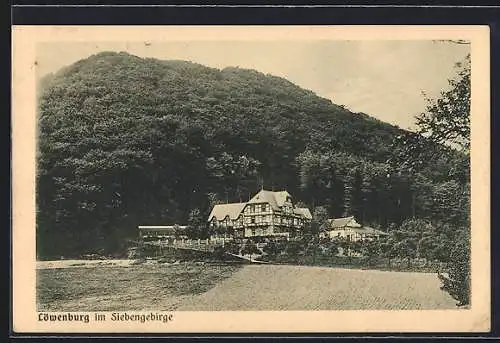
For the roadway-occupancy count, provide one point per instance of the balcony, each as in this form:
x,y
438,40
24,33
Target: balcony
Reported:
x,y
258,224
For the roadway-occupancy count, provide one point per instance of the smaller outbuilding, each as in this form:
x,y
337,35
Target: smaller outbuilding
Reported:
x,y
163,232
348,228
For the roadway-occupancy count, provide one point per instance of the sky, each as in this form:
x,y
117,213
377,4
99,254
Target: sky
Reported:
x,y
384,79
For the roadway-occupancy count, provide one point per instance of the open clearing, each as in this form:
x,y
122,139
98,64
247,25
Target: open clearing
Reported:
x,y
209,287
317,288
89,286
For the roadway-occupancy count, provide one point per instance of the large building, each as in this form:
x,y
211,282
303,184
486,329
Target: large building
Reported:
x,y
267,214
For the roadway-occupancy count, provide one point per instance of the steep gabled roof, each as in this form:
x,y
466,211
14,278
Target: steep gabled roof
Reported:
x,y
281,197
220,211
303,211
276,199
339,223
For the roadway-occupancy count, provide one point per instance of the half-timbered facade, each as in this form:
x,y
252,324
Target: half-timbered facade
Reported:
x,y
267,214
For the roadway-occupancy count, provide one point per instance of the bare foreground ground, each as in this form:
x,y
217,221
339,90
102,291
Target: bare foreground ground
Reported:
x,y
118,286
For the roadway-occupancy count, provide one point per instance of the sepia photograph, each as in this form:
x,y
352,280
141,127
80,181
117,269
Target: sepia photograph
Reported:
x,y
293,172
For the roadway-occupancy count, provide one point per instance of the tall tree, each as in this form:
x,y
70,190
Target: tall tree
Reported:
x,y
354,199
197,227
320,215
447,118
447,121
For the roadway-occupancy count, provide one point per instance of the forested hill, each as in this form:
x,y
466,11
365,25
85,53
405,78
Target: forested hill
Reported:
x,y
127,141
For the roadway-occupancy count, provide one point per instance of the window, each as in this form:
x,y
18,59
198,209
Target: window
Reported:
x,y
253,220
263,207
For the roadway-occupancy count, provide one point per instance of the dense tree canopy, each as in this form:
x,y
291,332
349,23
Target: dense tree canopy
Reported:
x,y
445,121
447,118
125,141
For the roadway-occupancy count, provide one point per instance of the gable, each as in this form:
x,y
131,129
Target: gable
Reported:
x,y
276,200
221,211
265,197
340,223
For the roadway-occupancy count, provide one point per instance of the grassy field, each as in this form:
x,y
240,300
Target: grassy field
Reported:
x,y
96,287
279,287
231,287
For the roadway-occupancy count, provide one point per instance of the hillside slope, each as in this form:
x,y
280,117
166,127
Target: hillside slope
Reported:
x,y
127,141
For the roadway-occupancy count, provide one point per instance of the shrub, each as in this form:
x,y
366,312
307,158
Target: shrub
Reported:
x,y
232,248
457,280
220,253
294,248
135,252
250,248
271,248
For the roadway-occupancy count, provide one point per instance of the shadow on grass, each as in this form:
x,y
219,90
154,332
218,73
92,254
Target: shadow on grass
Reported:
x,y
138,287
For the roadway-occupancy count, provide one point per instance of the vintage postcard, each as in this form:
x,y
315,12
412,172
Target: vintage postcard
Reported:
x,y
291,179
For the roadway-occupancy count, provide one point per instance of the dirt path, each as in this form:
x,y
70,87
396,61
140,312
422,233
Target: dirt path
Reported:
x,y
271,287
81,263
